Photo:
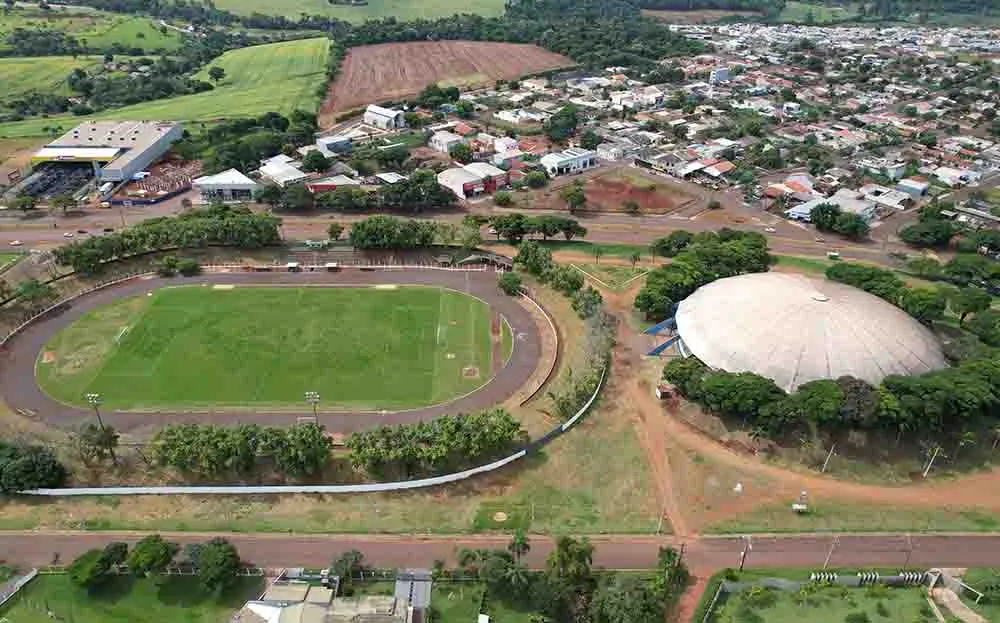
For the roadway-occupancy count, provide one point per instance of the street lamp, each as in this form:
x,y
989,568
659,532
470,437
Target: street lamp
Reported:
x,y
313,399
95,401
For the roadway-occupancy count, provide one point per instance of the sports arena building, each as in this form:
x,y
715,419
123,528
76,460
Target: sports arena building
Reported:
x,y
795,329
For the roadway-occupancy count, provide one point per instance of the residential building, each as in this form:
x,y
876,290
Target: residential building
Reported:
x,y
282,170
610,152
473,179
444,140
850,201
572,160
915,187
886,197
719,74
328,184
230,186
384,118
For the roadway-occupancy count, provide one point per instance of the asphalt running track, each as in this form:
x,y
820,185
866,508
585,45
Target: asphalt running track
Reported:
x,y
21,391
704,555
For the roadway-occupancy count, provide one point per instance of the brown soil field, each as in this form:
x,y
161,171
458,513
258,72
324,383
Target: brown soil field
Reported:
x,y
607,191
695,17
390,71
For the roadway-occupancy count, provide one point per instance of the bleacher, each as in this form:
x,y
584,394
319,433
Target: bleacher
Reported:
x,y
56,178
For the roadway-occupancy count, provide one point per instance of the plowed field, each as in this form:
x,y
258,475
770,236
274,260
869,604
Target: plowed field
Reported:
x,y
390,71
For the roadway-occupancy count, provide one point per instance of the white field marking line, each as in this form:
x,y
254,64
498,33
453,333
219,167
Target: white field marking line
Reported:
x,y
592,277
510,329
438,354
642,274
122,333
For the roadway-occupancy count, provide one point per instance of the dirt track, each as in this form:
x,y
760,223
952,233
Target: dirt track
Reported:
x,y
21,392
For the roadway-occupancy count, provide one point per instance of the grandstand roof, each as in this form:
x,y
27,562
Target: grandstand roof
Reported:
x,y
76,153
794,329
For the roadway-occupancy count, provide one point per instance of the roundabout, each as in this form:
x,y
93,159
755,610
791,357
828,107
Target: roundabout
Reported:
x,y
380,347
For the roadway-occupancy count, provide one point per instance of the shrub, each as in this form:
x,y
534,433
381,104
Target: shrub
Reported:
x,y
502,198
188,267
509,283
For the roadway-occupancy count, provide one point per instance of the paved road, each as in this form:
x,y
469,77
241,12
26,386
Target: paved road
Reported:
x,y
704,555
20,391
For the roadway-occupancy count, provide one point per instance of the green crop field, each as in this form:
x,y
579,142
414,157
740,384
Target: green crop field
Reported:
x,y
47,74
171,599
201,346
95,29
403,10
278,77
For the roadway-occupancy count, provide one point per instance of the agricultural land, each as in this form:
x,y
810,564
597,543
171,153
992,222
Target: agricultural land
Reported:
x,y
390,71
402,10
384,348
95,29
278,77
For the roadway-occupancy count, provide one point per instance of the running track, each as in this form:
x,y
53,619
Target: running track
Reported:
x,y
704,554
20,391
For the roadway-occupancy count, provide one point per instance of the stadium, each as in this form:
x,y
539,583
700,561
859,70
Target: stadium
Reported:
x,y
795,329
108,152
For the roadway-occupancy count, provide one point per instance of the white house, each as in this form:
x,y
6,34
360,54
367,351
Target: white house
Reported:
x,y
519,116
385,118
850,201
443,141
282,170
610,152
228,186
649,96
572,160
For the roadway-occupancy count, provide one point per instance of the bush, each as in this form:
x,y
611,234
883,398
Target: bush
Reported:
x,y
28,467
509,283
188,267
502,198
167,267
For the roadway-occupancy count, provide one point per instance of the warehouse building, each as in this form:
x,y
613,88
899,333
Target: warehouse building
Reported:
x,y
473,179
795,329
230,186
116,150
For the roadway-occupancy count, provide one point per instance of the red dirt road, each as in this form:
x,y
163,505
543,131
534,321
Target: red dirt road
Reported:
x,y
389,71
703,555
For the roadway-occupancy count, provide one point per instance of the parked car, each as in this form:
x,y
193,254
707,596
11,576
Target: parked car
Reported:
x,y
68,234
81,231
108,230
16,243
770,230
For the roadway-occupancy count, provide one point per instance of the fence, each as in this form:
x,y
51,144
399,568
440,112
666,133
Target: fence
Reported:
x,y
361,488
11,589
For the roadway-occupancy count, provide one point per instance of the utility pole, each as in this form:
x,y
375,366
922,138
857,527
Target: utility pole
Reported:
x,y
95,401
833,546
931,462
747,548
828,457
313,399
909,551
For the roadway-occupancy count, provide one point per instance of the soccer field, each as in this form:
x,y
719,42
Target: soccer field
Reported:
x,y
193,346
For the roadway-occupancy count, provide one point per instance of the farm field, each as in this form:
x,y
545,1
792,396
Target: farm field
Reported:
x,y
279,77
198,346
695,17
172,599
46,74
390,71
800,11
95,28
402,10
825,605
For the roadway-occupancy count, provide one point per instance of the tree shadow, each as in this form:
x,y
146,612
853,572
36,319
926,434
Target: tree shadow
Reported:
x,y
114,589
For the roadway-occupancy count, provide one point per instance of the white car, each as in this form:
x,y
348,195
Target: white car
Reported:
x,y
16,243
68,234
770,230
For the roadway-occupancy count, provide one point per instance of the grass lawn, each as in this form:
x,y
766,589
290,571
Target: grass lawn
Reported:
x,y
279,77
175,599
456,602
623,251
799,12
826,605
802,264
978,579
46,74
614,276
8,258
403,10
200,346
841,517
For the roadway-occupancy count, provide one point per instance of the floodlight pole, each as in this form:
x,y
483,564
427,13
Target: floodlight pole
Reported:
x,y
833,546
747,548
95,401
313,399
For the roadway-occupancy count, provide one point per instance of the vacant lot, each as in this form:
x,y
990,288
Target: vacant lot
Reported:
x,y
403,10
175,599
279,77
611,190
390,71
199,346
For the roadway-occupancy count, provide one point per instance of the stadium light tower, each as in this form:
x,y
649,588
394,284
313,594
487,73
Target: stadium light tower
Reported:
x,y
313,399
95,401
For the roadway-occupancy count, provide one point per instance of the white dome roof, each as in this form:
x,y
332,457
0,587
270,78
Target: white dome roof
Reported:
x,y
794,329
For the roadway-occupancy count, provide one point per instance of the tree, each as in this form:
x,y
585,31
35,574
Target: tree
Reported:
x,y
925,267
625,599
536,179
535,258
89,570
519,545
316,162
565,279
714,204
586,302
24,203
574,196
218,562
930,233
334,230
97,442
824,216
686,374
269,194
632,207
188,267
33,291
347,565
216,74
502,198
970,300
297,197
743,395
62,202
673,244
460,152
818,402
28,467
509,283
151,555
851,226
570,561
924,304
589,140
116,553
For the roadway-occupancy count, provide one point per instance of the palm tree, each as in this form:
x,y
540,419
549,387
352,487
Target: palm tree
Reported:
x,y
519,545
635,257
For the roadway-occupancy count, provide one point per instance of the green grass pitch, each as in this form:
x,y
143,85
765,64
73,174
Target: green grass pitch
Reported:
x,y
201,346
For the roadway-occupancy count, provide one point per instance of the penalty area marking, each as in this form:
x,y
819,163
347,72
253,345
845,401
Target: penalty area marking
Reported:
x,y
386,286
223,286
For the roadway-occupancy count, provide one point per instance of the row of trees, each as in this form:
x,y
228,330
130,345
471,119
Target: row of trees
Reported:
x,y
215,225
25,467
925,304
697,260
300,451
419,193
516,227
387,232
444,444
217,562
951,400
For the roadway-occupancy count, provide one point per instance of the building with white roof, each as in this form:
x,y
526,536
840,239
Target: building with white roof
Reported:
x,y
281,170
849,201
384,118
572,160
230,186
443,141
473,179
